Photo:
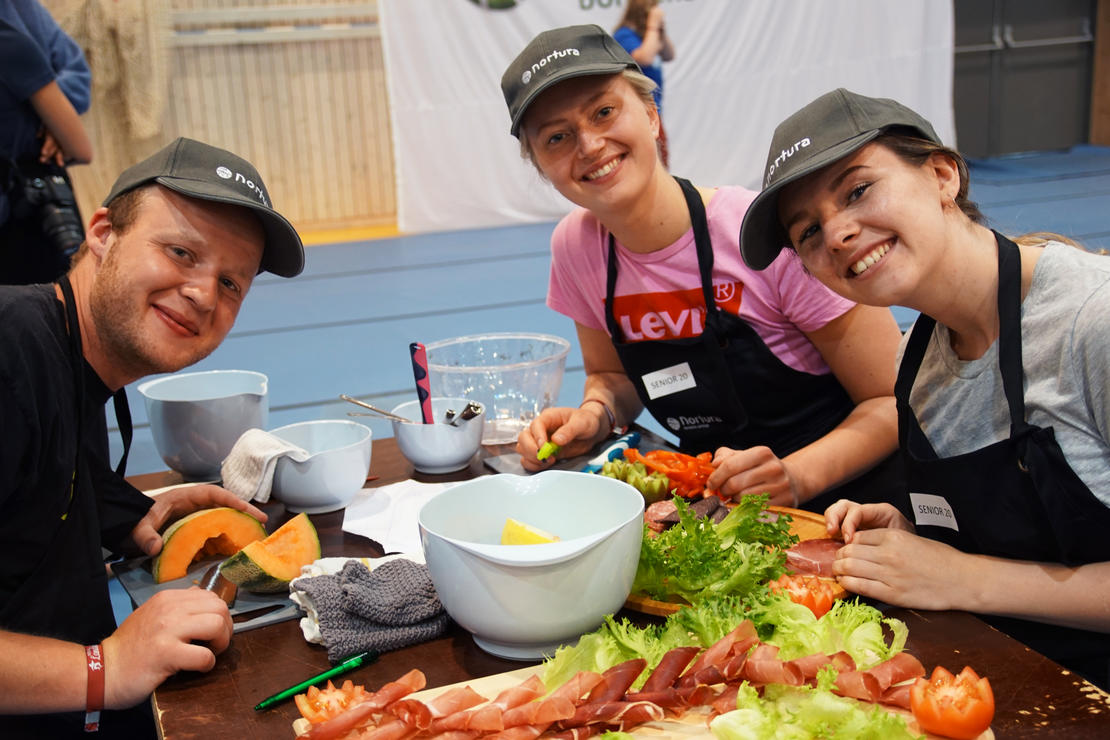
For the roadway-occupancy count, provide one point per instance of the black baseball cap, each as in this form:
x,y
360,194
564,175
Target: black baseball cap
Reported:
x,y
824,131
556,55
206,172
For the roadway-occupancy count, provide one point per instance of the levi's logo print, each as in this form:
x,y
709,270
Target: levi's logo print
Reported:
x,y
671,315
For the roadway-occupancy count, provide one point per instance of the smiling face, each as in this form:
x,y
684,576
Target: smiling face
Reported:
x,y
167,289
873,226
594,138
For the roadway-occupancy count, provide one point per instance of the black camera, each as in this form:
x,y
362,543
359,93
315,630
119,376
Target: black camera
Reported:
x,y
50,199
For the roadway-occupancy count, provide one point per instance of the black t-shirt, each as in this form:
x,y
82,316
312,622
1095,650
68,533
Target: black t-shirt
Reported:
x,y
52,575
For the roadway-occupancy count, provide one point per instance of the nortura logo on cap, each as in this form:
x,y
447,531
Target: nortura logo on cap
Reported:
x,y
537,66
227,174
784,155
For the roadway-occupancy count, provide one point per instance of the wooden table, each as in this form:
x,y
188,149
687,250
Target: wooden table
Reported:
x,y
1034,696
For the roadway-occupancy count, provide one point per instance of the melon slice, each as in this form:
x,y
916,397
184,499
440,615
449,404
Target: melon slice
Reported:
x,y
268,565
220,531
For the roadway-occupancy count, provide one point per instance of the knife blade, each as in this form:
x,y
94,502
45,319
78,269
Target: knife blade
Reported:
x,y
613,451
215,582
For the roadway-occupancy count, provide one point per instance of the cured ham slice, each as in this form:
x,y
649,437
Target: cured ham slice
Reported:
x,y
670,668
620,713
898,696
359,714
487,718
420,715
544,711
858,685
578,686
616,681
577,733
717,653
813,557
764,666
896,669
521,732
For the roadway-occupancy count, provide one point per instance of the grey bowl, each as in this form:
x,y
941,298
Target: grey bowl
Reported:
x,y
196,418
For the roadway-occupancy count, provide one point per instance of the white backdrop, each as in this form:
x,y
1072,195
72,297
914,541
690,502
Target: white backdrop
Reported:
x,y
740,67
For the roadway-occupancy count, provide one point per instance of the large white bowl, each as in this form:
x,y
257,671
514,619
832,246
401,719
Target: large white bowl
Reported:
x,y
439,447
196,418
523,601
515,375
339,459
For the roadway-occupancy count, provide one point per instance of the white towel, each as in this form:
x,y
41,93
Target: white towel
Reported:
x,y
248,470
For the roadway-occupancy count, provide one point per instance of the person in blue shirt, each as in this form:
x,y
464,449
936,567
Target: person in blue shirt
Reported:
x,y
44,87
643,36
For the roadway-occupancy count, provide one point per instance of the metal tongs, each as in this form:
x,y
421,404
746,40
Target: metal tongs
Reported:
x,y
377,411
473,408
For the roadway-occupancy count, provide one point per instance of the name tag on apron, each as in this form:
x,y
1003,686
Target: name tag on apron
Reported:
x,y
934,510
669,380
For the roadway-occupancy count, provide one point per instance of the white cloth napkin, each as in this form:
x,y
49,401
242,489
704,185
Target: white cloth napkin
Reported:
x,y
248,471
388,514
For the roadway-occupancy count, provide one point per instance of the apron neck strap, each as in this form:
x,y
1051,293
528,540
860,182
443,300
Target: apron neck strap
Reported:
x,y
1009,329
119,398
702,243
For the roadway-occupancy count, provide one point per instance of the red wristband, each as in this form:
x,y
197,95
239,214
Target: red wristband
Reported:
x,y
94,695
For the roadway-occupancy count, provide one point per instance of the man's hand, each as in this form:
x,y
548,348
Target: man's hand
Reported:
x,y
176,630
177,503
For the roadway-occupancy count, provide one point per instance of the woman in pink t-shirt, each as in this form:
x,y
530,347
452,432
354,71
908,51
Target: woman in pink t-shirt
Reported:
x,y
788,384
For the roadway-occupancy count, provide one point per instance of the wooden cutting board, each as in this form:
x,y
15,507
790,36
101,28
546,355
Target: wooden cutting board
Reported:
x,y
692,724
807,525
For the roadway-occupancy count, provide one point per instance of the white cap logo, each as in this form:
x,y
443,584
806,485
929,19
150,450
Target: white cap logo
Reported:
x,y
223,172
674,423
526,77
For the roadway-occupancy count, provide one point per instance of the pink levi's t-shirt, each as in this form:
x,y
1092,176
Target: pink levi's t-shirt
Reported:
x,y
658,295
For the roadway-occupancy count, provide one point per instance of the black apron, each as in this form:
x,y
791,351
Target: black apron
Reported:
x,y
72,570
1017,498
735,391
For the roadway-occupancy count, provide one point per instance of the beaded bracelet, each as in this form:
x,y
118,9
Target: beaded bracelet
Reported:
x,y
608,411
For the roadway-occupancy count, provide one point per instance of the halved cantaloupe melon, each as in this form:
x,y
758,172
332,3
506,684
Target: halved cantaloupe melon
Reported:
x,y
267,566
220,531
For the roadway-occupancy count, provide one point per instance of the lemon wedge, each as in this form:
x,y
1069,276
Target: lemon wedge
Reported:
x,y
519,533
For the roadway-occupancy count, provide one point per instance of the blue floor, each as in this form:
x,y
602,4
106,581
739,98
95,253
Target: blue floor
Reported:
x,y
344,326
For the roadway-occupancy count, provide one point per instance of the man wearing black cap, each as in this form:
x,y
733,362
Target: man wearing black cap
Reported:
x,y
156,287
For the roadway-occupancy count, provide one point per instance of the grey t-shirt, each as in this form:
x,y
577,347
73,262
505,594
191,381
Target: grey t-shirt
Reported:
x,y
1066,357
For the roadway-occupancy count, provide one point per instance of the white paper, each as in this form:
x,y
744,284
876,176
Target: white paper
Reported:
x,y
388,514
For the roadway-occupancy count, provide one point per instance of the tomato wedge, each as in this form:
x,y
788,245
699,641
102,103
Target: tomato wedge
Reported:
x,y
687,473
812,592
319,705
959,706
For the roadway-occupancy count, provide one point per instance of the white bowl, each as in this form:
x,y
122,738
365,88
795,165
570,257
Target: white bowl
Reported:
x,y
339,459
196,418
523,601
439,447
515,375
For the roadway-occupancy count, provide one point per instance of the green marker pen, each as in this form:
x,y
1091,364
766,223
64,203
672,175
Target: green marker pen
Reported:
x,y
347,665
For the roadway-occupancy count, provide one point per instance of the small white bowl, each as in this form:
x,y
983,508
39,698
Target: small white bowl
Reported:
x,y
523,601
335,471
196,418
438,447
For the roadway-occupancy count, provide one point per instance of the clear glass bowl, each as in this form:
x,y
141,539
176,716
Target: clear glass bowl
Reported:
x,y
515,375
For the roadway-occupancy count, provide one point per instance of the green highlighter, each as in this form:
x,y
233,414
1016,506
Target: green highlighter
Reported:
x,y
348,665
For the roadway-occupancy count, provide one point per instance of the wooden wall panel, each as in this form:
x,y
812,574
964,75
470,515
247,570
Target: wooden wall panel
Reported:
x,y
303,97
1100,79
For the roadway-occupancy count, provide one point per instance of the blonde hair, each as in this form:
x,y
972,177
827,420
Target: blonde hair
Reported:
x,y
644,87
